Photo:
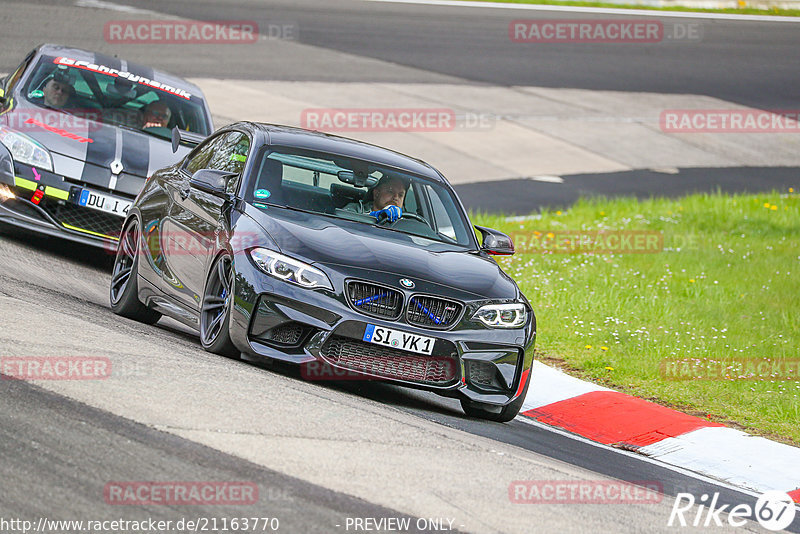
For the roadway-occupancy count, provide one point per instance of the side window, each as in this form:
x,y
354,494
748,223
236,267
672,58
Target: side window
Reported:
x,y
202,155
205,155
410,202
231,154
441,213
225,152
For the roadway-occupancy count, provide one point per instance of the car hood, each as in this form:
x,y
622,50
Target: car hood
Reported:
x,y
84,149
342,243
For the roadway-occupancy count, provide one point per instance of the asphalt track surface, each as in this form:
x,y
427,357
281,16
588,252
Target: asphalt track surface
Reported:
x,y
56,452
750,63
522,196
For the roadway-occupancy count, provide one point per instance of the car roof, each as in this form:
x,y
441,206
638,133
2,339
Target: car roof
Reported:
x,y
289,136
98,58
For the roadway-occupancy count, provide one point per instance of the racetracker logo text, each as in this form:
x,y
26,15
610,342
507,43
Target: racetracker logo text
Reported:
x,y
171,243
73,124
589,242
180,493
602,31
181,31
379,120
585,492
730,369
400,368
730,121
54,368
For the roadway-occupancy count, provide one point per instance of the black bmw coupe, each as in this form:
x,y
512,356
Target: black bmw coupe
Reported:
x,y
271,242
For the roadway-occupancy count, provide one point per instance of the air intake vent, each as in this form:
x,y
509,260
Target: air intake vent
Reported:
x,y
287,334
374,300
433,312
390,363
481,373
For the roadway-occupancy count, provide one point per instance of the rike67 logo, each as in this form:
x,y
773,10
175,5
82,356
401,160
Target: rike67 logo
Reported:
x,y
774,510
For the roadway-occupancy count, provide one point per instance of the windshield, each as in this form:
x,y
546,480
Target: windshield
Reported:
x,y
118,98
356,191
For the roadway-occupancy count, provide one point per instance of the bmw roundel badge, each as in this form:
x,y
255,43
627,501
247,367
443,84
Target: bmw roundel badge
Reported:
x,y
405,282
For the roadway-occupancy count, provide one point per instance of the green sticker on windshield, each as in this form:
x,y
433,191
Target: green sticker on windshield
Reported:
x,y
261,193
36,94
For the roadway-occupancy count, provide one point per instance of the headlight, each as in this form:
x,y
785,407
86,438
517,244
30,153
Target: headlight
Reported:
x,y
289,269
502,315
25,150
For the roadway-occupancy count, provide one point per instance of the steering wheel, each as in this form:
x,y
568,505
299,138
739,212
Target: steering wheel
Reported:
x,y
410,215
406,215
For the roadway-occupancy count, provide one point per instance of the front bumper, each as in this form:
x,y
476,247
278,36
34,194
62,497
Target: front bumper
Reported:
x,y
277,320
56,214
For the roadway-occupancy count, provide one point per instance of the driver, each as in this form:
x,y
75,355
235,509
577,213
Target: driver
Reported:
x,y
387,198
58,90
156,115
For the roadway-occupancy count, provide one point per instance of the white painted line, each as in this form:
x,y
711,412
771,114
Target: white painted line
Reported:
x,y
677,469
101,4
549,385
548,178
734,456
598,10
666,170
721,455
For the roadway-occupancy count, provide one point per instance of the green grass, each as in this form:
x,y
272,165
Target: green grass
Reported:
x,y
726,285
736,11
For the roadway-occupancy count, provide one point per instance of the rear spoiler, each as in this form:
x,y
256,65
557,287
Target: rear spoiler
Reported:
x,y
182,137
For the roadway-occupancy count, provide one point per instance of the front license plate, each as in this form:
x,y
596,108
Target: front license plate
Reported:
x,y
106,203
399,340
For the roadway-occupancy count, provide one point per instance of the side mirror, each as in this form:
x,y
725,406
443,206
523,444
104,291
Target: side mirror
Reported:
x,y
182,137
212,181
496,242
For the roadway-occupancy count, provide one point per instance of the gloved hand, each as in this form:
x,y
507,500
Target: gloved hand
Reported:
x,y
389,212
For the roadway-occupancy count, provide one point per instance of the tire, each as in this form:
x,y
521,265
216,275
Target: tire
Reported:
x,y
506,414
216,308
124,287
